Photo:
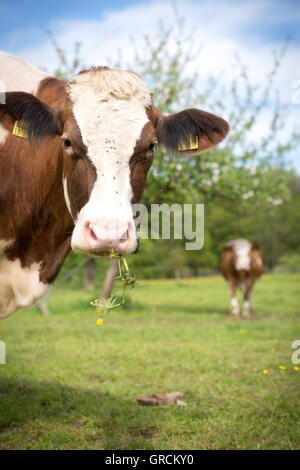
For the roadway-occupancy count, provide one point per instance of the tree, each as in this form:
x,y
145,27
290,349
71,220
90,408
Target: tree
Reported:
x,y
239,178
238,171
89,274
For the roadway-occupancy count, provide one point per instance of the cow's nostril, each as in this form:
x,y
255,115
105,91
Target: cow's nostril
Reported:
x,y
92,233
125,236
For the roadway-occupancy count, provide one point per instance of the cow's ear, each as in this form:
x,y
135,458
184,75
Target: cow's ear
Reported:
x,y
34,118
227,248
190,131
255,247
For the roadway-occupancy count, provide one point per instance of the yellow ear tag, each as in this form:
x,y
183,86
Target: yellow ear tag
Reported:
x,y
21,129
192,145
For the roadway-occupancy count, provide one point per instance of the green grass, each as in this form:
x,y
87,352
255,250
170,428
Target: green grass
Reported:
x,y
70,384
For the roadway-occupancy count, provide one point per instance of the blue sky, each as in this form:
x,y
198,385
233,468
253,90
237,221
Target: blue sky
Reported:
x,y
280,19
32,15
222,28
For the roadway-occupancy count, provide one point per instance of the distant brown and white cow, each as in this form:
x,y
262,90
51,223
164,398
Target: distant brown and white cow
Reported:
x,y
73,159
241,266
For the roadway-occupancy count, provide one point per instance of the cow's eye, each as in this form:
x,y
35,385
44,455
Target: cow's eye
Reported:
x,y
66,143
152,146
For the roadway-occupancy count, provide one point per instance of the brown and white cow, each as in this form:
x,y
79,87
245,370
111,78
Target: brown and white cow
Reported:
x,y
70,179
241,266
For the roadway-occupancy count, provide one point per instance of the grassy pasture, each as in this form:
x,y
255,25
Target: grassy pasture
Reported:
x,y
70,384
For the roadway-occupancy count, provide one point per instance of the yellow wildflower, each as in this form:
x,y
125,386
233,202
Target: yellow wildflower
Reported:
x,y
99,321
273,350
275,339
282,367
242,331
265,371
296,368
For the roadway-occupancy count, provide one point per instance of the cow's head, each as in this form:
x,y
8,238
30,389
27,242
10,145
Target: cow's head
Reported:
x,y
245,256
109,130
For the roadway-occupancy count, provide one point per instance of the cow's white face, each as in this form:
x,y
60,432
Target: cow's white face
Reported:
x,y
107,129
110,110
110,129
242,260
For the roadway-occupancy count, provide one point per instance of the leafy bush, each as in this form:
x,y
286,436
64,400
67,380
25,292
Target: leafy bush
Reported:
x,y
289,263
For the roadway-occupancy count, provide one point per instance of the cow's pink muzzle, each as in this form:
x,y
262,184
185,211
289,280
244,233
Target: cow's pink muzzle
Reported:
x,y
103,235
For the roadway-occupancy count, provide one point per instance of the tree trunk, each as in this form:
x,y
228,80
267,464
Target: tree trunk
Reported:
x,y
110,279
89,274
177,273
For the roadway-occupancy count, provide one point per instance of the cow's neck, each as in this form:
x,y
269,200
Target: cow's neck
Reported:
x,y
39,222
35,240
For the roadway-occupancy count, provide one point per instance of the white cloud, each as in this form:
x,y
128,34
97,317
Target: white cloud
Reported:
x,y
218,28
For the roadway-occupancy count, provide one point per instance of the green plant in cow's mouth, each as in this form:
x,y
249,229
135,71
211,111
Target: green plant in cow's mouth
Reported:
x,y
104,306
